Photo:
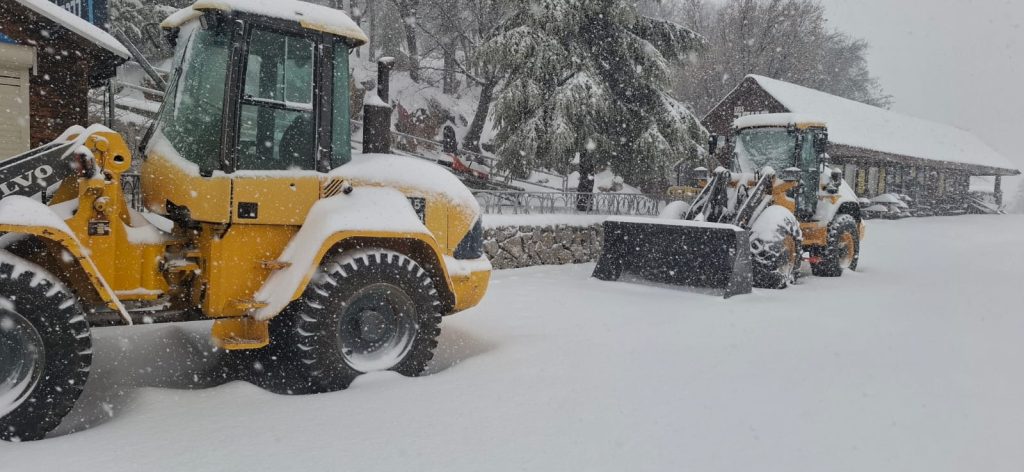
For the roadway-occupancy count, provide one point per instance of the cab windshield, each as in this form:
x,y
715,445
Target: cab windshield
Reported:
x,y
192,111
759,147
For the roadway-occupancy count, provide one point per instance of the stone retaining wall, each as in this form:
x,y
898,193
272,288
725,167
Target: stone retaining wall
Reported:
x,y
510,247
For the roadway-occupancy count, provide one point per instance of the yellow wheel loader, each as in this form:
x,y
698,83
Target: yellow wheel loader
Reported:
x,y
317,263
750,226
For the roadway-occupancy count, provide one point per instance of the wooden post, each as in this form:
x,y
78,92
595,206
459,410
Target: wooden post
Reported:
x,y
110,104
998,190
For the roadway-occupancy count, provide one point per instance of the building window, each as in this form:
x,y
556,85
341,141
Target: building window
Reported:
x,y
862,182
850,172
882,174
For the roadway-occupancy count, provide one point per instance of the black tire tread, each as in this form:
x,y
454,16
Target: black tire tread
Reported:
x,y
61,323
303,356
830,265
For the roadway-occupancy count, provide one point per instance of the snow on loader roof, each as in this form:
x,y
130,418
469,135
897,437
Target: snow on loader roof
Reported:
x,y
863,126
310,16
778,119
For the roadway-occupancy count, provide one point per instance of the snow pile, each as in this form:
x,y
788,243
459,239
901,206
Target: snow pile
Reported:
x,y
466,267
667,222
17,210
863,126
407,172
906,366
604,181
773,225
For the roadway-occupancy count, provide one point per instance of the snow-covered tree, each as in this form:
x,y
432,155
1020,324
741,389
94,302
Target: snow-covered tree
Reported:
x,y
784,39
587,82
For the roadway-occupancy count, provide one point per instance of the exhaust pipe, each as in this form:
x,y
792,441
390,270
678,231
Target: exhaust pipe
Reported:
x,y
377,112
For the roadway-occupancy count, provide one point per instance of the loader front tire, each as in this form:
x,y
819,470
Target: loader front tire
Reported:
x,y
776,246
364,311
842,251
45,350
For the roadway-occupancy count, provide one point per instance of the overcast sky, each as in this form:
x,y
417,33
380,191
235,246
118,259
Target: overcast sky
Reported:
x,y
955,61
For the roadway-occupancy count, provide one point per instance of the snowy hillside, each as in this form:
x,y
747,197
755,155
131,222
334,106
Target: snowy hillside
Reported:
x,y
557,371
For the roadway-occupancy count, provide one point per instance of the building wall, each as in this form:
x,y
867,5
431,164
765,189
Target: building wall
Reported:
x,y
59,84
16,65
747,99
59,95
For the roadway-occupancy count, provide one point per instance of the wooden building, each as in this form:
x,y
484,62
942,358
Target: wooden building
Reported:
x,y
879,150
49,60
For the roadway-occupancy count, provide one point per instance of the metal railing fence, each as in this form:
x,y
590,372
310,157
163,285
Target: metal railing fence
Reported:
x,y
525,203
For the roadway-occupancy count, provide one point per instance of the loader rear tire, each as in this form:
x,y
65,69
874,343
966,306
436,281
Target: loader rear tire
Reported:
x,y
842,251
363,311
45,350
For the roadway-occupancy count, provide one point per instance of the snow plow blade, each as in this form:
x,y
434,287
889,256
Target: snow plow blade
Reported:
x,y
678,252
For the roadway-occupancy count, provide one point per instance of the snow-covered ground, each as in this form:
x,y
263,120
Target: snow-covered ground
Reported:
x,y
912,364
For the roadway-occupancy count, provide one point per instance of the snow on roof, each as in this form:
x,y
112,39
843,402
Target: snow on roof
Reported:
x,y
864,126
314,17
76,25
777,119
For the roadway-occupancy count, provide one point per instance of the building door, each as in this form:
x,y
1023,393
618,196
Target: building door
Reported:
x,y
15,67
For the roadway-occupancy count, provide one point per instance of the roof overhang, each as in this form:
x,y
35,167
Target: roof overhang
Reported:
x,y
843,152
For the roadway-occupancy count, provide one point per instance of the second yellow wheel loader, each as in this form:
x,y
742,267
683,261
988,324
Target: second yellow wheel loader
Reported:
x,y
321,264
750,226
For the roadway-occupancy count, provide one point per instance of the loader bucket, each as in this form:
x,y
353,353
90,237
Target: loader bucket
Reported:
x,y
678,252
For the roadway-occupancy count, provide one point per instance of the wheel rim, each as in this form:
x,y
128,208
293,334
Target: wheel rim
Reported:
x,y
377,329
846,243
22,355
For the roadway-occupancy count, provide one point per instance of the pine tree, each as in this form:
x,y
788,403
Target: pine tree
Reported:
x,y
588,80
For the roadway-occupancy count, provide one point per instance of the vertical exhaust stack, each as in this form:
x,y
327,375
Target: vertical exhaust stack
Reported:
x,y
377,112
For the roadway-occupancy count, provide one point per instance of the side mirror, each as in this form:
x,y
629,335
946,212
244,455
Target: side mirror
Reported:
x,y
835,181
821,143
712,144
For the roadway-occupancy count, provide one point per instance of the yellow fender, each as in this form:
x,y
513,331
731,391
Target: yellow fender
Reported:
x,y
368,217
22,215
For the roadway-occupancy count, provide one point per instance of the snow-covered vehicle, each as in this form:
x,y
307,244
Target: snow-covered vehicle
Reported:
x,y
317,264
887,205
753,224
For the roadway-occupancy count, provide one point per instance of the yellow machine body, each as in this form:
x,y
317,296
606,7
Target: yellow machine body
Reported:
x,y
218,266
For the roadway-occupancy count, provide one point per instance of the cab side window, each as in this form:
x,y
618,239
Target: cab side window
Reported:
x,y
342,126
277,122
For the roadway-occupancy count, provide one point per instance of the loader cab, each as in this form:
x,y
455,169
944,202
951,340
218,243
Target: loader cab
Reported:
x,y
250,96
795,149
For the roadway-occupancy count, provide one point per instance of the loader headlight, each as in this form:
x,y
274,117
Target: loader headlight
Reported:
x,y
472,245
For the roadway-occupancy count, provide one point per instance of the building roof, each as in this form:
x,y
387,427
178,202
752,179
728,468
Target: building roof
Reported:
x,y
308,15
77,25
863,126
